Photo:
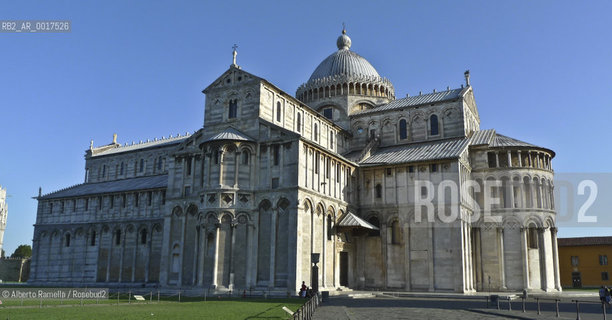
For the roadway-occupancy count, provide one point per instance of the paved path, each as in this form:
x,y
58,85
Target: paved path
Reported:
x,y
386,307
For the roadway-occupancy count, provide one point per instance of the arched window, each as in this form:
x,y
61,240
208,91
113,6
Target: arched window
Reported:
x,y
329,227
276,155
216,156
532,237
117,237
299,122
159,163
403,129
141,166
316,132
233,109
67,239
245,157
379,191
122,168
331,138
176,263
103,171
278,111
143,236
433,125
92,242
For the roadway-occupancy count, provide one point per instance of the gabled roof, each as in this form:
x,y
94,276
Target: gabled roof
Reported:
x,y
143,145
232,68
417,100
132,184
435,150
352,220
229,134
584,241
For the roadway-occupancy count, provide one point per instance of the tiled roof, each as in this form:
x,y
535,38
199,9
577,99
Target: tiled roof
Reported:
x,y
229,134
143,145
149,182
352,220
417,100
584,241
482,137
503,141
443,149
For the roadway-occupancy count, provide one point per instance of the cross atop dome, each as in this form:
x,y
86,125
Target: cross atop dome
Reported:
x,y
343,42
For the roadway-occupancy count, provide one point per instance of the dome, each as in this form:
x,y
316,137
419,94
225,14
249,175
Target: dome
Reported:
x,y
345,73
344,62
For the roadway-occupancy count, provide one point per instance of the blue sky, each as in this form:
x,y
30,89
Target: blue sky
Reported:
x,y
540,71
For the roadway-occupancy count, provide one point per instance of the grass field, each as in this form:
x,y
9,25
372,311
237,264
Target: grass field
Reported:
x,y
213,309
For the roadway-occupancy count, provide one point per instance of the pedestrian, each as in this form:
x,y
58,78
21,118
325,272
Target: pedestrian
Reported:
x,y
303,290
602,294
607,296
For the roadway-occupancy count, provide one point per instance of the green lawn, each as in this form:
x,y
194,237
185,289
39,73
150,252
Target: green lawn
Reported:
x,y
215,309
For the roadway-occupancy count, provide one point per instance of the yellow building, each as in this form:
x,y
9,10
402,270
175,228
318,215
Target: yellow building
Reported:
x,y
583,262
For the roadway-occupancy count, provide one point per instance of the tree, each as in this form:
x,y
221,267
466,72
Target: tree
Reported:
x,y
23,251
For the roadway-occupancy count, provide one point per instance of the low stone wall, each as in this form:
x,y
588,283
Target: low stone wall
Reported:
x,y
14,270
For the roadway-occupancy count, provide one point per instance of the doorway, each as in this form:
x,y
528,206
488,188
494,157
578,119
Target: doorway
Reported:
x,y
344,269
576,280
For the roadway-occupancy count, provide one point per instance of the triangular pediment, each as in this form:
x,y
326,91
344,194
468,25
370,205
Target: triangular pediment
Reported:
x,y
233,76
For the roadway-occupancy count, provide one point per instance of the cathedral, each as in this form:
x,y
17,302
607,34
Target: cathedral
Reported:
x,y
382,193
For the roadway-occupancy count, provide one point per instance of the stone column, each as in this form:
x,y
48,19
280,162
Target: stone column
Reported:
x,y
108,256
407,284
124,235
281,162
430,254
203,245
207,163
196,255
237,160
274,212
133,276
269,167
480,281
149,251
305,168
502,262
509,155
249,254
221,167
183,231
543,253
216,257
323,259
233,225
553,232
525,252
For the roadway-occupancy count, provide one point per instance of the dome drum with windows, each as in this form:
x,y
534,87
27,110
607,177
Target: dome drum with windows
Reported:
x,y
344,73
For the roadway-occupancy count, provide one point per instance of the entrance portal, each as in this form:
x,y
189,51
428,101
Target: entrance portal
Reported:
x,y
344,269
